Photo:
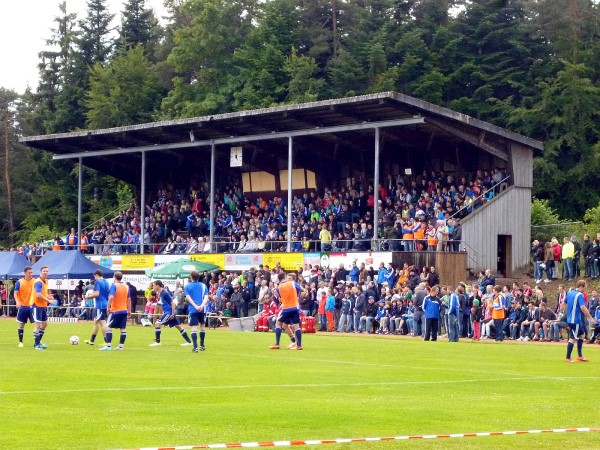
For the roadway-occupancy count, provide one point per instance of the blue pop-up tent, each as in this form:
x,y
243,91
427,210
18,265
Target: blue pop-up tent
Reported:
x,y
12,263
66,265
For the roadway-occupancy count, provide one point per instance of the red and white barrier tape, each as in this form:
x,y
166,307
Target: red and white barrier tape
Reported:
x,y
374,439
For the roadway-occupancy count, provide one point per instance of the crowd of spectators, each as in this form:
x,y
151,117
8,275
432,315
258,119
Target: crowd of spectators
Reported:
x,y
401,301
420,212
548,257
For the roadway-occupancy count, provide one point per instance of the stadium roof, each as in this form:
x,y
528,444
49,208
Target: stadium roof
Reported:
x,y
338,129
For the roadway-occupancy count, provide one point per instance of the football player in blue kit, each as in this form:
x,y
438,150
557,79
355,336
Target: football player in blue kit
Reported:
x,y
168,318
196,294
100,296
574,306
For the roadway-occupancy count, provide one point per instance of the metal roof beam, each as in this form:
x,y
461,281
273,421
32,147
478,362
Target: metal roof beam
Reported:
x,y
241,139
476,140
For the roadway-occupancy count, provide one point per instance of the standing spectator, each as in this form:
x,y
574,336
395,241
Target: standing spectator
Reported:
x,y
433,278
346,313
132,296
330,310
325,238
557,249
586,252
72,240
476,317
360,308
419,317
568,253
537,254
354,273
548,261
576,257
498,313
59,244
431,306
453,314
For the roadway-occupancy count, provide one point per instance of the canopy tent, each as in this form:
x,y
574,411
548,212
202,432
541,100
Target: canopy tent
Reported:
x,y
66,265
12,265
180,269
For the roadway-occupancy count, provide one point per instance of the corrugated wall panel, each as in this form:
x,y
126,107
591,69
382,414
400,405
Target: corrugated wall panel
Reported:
x,y
508,214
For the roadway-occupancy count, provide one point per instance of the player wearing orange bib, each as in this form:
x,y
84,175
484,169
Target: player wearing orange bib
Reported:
x,y
23,289
119,308
39,300
289,315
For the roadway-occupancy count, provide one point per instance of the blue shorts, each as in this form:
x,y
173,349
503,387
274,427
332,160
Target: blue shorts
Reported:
x,y
164,321
117,320
24,314
575,330
196,319
101,314
39,313
291,317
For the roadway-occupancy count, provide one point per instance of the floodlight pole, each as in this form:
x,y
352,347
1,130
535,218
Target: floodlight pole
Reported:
x,y
211,194
376,191
143,203
79,195
289,196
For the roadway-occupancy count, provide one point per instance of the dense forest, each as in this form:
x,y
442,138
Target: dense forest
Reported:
x,y
532,66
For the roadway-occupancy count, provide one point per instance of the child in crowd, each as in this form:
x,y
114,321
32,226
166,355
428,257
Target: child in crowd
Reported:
x,y
228,311
321,311
596,324
330,310
487,319
476,319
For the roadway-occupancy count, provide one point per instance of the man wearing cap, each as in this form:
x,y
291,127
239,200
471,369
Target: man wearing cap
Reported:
x,y
431,306
419,317
371,313
360,309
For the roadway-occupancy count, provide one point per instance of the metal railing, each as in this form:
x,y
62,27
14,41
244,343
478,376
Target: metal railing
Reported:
x,y
493,188
109,214
223,245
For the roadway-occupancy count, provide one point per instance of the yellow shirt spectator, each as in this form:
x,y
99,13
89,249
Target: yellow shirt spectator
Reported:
x,y
568,250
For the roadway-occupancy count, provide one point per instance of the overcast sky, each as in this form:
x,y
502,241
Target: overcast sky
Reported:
x,y
24,27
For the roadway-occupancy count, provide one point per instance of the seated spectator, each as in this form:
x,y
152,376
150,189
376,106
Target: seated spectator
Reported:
x,y
528,325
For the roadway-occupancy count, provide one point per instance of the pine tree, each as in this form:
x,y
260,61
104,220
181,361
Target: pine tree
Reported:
x,y
139,26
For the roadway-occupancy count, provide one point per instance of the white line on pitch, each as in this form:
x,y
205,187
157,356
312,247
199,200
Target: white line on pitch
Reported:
x,y
292,385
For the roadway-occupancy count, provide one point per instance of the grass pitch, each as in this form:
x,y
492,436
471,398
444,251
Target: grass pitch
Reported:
x,y
340,386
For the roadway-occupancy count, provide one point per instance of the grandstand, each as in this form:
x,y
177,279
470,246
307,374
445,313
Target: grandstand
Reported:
x,y
324,148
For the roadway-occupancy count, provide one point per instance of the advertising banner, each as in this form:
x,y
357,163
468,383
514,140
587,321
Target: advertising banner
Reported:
x,y
137,262
238,263
218,259
288,261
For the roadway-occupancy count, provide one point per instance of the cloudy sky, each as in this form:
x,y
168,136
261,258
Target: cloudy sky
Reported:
x,y
24,27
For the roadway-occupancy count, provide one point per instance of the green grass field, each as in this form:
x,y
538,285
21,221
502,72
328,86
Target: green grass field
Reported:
x,y
340,386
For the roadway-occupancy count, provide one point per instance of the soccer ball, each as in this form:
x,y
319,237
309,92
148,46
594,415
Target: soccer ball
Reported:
x,y
74,340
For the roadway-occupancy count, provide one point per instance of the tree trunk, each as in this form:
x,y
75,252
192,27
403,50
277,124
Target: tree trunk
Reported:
x,y
11,218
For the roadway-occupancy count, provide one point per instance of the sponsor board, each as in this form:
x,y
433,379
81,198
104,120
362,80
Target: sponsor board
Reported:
x,y
242,262
218,259
137,262
288,261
